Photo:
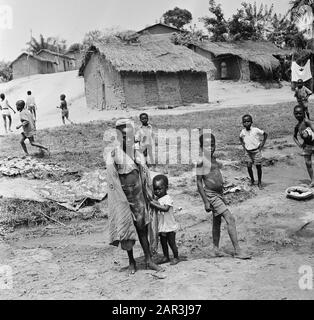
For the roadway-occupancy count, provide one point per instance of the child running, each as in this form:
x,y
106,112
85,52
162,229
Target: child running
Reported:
x,y
305,129
145,137
28,125
210,187
64,109
167,225
5,107
253,141
302,94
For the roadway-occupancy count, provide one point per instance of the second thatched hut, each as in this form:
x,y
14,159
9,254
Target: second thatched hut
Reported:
x,y
243,60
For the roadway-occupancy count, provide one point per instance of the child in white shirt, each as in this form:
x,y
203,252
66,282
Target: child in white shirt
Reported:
x,y
167,225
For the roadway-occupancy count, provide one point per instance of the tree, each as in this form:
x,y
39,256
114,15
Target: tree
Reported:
x,y
177,17
216,23
51,43
251,22
5,71
285,33
75,47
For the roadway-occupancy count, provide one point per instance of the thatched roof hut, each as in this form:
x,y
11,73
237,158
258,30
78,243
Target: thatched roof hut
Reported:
x,y
149,54
252,57
143,67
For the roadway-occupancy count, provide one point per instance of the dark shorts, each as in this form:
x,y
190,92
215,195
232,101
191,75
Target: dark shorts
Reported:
x,y
253,157
31,138
4,116
217,203
65,113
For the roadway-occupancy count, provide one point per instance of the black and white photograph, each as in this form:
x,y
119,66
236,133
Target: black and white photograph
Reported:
x,y
156,151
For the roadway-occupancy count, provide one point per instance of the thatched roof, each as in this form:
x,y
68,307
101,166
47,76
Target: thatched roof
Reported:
x,y
173,29
259,52
33,57
149,54
55,54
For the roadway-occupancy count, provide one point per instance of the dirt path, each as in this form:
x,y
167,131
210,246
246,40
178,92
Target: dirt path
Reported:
x,y
77,263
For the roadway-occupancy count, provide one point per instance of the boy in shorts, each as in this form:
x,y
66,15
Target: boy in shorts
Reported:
x,y
28,125
302,94
210,187
303,128
64,109
253,140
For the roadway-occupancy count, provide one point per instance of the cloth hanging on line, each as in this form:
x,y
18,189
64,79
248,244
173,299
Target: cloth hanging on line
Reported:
x,y
298,72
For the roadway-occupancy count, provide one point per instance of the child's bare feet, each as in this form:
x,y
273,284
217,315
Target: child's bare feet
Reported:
x,y
220,254
174,261
163,260
132,268
153,266
252,182
260,186
242,255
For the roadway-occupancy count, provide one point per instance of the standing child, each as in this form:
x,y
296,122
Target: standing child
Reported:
x,y
64,109
145,137
302,94
210,187
305,128
31,104
5,107
28,125
167,225
253,141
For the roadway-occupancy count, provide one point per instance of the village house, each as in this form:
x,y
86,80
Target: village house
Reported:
x,y
243,60
63,62
151,72
27,64
159,28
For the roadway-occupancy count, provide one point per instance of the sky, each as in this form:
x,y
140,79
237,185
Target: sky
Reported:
x,y
71,19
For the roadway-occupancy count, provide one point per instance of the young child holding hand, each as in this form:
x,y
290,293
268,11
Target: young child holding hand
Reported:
x,y
167,225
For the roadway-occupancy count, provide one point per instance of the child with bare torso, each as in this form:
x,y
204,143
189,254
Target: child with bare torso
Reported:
x,y
210,187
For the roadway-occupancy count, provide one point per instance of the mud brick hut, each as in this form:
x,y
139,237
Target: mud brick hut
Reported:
x,y
63,62
243,60
151,72
27,64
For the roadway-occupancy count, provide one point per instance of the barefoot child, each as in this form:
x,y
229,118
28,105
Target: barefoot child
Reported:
x,y
210,187
31,104
64,109
302,94
167,225
28,125
305,129
129,196
5,107
253,141
145,137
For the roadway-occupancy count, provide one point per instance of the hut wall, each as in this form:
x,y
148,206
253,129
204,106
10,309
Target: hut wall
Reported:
x,y
134,89
193,87
24,67
103,85
169,88
64,64
211,57
245,70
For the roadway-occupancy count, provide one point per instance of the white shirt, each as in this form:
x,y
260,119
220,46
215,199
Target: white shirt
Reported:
x,y
166,220
145,135
252,138
30,101
4,105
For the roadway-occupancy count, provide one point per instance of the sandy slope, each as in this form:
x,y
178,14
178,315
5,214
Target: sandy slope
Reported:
x,y
47,89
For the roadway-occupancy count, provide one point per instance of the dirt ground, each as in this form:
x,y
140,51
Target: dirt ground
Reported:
x,y
75,262
52,262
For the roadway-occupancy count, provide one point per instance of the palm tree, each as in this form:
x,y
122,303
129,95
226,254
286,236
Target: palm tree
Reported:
x,y
51,43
